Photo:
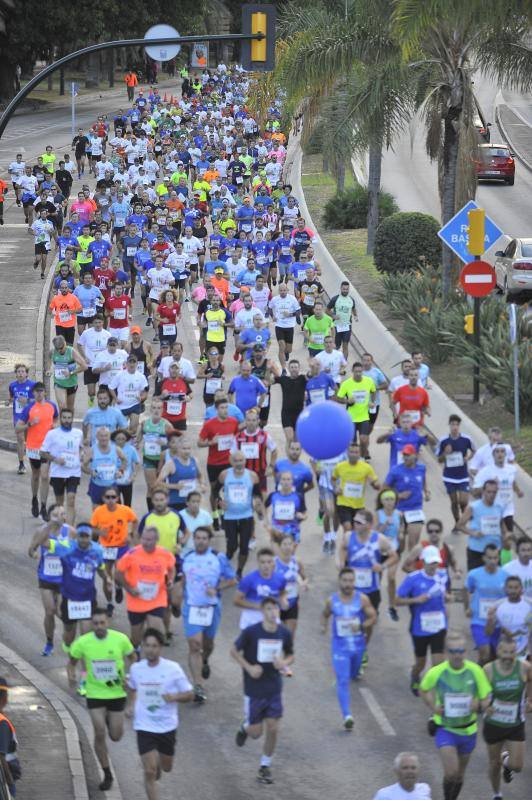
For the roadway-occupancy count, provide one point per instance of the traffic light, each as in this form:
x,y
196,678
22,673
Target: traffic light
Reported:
x,y
476,231
258,55
469,323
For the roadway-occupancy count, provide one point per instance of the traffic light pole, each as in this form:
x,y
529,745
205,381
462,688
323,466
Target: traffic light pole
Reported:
x,y
476,342
95,48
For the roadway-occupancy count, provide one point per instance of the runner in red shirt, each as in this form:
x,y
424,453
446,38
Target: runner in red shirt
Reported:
x,y
167,315
118,312
175,393
104,278
412,399
218,434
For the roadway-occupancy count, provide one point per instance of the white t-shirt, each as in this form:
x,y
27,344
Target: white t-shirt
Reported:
x,y
331,363
260,298
16,169
483,457
192,247
28,183
178,262
517,618
185,366
64,444
160,279
505,477
116,360
103,167
244,317
96,146
93,343
152,713
396,792
524,572
42,228
284,310
128,388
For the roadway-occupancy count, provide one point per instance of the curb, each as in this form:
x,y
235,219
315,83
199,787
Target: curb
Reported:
x,y
508,139
47,689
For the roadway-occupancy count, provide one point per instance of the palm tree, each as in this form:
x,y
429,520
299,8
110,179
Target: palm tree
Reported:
x,y
444,43
353,54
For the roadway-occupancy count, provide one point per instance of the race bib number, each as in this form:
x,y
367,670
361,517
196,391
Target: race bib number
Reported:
x,y
71,459
169,329
292,590
455,459
490,526
213,325
238,495
225,442
414,416
363,577
414,515
432,621
317,338
284,510
104,670
342,327
152,447
131,251
148,590
130,396
268,650
484,605
52,567
110,553
360,397
201,615
174,407
35,454
61,373
317,395
106,472
119,313
212,385
504,713
240,180
457,705
79,609
504,495
150,696
88,311
250,449
186,487
353,490
140,367
161,220
65,316
347,626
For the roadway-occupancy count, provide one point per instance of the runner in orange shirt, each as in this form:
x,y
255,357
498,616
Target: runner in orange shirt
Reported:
x,y
131,81
65,307
3,191
116,526
147,574
221,284
37,418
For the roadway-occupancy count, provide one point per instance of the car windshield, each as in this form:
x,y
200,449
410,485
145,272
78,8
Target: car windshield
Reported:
x,y
493,152
526,250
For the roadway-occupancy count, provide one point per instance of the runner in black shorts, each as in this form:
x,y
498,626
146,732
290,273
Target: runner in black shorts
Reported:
x,y
293,388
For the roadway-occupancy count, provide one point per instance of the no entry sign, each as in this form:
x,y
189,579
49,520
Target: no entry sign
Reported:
x,y
478,278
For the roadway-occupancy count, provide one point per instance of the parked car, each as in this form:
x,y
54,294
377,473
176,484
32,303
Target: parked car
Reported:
x,y
496,162
513,267
483,127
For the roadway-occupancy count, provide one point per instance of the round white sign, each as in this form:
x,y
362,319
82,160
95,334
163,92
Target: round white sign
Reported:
x,y
162,52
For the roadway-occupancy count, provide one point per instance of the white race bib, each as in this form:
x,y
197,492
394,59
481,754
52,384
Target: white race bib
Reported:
x,y
484,605
490,526
110,553
106,472
88,311
238,495
342,327
150,696
284,510
414,515
455,459
34,453
432,621
131,251
186,487
52,567
169,329
71,459
504,712
292,590
414,416
457,705
212,385
79,609
360,397
363,577
104,670
148,590
225,442
61,372
268,650
317,395
250,449
152,447
347,626
119,313
317,338
353,490
213,325
200,615
65,316
174,407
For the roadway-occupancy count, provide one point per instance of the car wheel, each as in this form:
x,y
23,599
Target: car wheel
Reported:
x,y
510,181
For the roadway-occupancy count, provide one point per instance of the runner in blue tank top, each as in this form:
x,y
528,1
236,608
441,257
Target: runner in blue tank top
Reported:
x,y
353,618
293,571
240,490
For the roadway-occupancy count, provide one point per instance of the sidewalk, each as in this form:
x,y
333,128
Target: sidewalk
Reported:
x,y
42,744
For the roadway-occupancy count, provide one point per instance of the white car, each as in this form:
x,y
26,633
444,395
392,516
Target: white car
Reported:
x,y
513,267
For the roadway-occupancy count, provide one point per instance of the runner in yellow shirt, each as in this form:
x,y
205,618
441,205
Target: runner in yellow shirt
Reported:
x,y
349,480
358,394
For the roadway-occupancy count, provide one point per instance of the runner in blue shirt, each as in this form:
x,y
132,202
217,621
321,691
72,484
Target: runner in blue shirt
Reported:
x,y
103,415
288,509
369,370
246,389
253,336
66,240
399,437
320,385
100,248
283,253
454,451
20,393
301,473
485,589
90,298
205,574
425,592
255,586
409,481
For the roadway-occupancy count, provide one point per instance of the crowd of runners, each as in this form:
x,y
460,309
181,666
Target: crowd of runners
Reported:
x,y
181,207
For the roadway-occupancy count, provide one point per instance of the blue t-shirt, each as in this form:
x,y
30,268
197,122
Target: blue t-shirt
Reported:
x,y
284,509
88,296
99,250
253,336
486,588
131,454
377,377
234,411
248,277
455,464
20,390
204,570
210,266
398,440
319,388
247,391
255,588
111,418
408,479
64,242
284,250
301,473
79,569
430,617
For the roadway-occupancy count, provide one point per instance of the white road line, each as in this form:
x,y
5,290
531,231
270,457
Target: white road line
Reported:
x,y
382,720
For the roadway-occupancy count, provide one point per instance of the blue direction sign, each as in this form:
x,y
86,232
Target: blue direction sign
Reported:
x,y
454,234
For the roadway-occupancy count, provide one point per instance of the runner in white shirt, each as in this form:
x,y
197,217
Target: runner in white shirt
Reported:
x,y
332,361
129,389
522,565
16,170
504,474
186,370
406,766
261,295
159,278
484,455
513,616
62,447
284,308
109,362
156,685
244,317
193,247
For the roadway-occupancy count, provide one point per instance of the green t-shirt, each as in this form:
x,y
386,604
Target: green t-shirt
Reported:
x,y
61,362
455,689
360,392
318,330
104,661
83,256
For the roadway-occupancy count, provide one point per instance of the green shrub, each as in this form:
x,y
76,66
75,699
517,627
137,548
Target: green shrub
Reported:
x,y
349,209
406,240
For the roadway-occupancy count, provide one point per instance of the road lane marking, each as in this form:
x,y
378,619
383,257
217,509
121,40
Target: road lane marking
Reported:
x,y
382,720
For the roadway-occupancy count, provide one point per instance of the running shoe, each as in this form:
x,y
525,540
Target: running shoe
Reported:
x,y
252,544
148,322
21,469
325,548
106,784
82,687
199,694
414,685
48,649
241,735
507,773
44,513
392,613
349,723
206,671
332,547
34,507
264,775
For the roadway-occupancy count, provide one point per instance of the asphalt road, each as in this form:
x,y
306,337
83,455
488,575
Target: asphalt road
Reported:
x,y
316,757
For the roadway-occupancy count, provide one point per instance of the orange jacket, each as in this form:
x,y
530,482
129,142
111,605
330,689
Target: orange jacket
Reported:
x,y
3,190
131,79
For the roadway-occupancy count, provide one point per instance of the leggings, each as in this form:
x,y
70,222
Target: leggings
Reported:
x,y
346,666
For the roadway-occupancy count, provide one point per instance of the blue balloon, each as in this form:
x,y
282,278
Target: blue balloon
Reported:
x,y
324,429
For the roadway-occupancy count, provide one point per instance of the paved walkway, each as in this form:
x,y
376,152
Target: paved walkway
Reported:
x,y
517,132
43,754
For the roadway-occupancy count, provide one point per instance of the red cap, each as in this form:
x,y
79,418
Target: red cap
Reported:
x,y
409,450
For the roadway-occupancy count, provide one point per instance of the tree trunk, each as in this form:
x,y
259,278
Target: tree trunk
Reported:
x,y
325,165
374,190
448,194
61,82
340,177
8,79
111,66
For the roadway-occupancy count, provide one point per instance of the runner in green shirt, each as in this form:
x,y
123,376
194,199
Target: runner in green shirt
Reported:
x,y
316,328
358,393
84,257
455,690
104,653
